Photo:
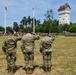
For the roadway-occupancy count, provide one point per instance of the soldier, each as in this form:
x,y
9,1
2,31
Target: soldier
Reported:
x,y
46,51
27,47
9,48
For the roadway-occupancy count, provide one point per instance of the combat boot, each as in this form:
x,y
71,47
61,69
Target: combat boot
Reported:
x,y
31,71
10,71
28,71
45,69
49,69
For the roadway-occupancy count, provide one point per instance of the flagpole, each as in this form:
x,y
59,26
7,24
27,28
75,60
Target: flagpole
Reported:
x,y
33,20
5,18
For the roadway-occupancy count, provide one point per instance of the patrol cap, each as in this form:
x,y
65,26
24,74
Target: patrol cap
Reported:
x,y
46,34
28,30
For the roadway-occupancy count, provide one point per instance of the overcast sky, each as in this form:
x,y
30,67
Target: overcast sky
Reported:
x,y
17,9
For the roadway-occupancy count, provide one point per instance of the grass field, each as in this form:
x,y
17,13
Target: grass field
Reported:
x,y
63,58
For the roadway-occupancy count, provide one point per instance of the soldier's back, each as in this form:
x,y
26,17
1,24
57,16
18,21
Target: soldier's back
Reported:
x,y
28,37
10,43
47,39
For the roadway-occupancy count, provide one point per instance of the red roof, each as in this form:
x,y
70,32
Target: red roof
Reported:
x,y
64,6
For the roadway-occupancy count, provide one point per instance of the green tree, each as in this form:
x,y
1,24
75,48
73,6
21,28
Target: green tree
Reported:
x,y
49,19
8,28
2,28
72,28
15,26
37,28
54,26
29,20
38,22
46,26
65,26
21,27
60,29
30,27
41,28
24,21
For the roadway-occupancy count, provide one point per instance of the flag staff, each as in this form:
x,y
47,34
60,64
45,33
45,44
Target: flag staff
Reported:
x,y
33,20
5,17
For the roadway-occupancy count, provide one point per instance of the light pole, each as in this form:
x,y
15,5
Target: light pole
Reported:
x,y
33,20
5,17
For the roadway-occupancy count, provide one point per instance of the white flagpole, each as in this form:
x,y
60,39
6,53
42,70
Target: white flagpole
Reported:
x,y
33,20
5,18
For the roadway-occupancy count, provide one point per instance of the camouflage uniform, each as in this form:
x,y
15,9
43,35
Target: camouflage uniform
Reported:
x,y
9,48
27,47
45,49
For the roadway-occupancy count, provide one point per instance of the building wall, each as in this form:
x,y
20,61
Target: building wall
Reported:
x,y
64,16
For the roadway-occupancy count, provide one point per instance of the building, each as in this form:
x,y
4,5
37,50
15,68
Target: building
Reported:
x,y
64,14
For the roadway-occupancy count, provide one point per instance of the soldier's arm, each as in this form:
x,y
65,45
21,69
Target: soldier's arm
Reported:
x,y
18,38
41,48
4,46
36,37
22,46
52,39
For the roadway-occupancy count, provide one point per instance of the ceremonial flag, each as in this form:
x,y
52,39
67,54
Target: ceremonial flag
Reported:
x,y
5,8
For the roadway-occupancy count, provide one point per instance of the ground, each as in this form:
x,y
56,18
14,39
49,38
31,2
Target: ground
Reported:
x,y
63,58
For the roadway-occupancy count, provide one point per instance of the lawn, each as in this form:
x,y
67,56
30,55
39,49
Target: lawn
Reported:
x,y
63,58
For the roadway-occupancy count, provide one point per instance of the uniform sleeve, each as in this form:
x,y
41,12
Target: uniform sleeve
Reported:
x,y
52,39
4,46
36,37
18,38
22,40
22,45
41,47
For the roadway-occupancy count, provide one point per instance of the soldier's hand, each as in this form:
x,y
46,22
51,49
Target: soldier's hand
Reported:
x,y
33,33
24,52
4,52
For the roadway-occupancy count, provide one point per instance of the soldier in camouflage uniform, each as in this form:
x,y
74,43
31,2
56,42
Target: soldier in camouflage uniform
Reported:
x,y
9,48
46,51
27,47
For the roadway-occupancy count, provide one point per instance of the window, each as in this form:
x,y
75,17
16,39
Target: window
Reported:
x,y
63,18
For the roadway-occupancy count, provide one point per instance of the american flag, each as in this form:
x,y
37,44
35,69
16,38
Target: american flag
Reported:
x,y
5,8
32,8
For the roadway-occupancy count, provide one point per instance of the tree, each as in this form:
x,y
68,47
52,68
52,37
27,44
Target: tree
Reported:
x,y
15,26
41,28
72,28
8,28
21,27
29,20
65,26
60,29
38,22
37,28
24,21
49,18
1,28
46,26
54,26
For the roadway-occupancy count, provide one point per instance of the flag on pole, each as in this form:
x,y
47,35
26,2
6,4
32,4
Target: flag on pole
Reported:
x,y
33,12
33,20
32,8
5,8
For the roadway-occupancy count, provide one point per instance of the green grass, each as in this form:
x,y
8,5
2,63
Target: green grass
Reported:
x,y
63,57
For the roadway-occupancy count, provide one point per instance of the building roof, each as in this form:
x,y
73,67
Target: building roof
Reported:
x,y
63,7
